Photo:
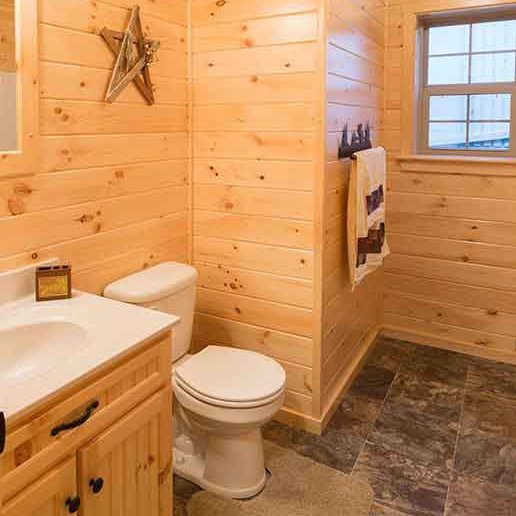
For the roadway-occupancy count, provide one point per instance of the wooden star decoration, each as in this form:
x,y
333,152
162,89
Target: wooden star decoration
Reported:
x,y
134,55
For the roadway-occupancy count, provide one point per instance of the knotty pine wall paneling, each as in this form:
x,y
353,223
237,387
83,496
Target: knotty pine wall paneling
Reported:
x,y
451,280
255,140
7,37
111,195
354,81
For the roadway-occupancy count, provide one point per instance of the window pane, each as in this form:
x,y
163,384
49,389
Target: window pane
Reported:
x,y
448,40
443,135
490,107
448,107
490,36
493,67
489,136
448,70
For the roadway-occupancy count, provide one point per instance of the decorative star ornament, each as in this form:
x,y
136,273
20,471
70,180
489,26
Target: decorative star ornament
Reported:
x,y
134,55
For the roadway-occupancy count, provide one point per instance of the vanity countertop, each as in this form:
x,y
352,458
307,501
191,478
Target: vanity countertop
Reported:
x,y
45,347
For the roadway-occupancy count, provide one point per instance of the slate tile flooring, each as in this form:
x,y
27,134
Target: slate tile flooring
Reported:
x,y
433,432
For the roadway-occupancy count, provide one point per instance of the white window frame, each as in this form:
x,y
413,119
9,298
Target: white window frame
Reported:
x,y
426,91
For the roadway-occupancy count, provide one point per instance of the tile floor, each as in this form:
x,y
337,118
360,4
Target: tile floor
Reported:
x,y
433,432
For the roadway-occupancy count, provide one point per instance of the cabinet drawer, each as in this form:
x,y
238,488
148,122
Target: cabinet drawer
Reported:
x,y
91,407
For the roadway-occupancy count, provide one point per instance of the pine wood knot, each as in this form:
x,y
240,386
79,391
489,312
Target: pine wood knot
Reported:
x,y
58,110
255,78
229,205
237,310
119,174
465,259
233,286
15,206
220,3
85,218
34,256
492,312
248,42
22,190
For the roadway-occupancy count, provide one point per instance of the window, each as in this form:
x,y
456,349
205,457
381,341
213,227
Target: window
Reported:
x,y
468,92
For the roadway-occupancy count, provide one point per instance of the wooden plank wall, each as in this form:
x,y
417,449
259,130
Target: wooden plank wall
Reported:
x,y
7,37
355,76
451,280
111,192
255,137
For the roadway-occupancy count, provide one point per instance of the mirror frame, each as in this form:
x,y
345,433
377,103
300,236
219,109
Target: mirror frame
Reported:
x,y
24,160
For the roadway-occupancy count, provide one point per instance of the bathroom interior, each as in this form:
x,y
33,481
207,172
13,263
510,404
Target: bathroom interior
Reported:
x,y
257,257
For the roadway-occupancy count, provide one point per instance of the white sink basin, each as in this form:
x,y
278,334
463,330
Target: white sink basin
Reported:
x,y
30,350
46,346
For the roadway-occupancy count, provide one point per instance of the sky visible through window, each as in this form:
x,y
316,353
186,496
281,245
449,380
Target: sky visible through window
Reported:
x,y
471,54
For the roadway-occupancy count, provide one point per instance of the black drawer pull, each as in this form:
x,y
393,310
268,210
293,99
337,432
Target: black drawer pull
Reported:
x,y
73,504
76,422
96,485
3,432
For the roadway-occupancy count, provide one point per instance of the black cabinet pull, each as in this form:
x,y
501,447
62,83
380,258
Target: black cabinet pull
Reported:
x,y
3,432
76,422
96,485
73,504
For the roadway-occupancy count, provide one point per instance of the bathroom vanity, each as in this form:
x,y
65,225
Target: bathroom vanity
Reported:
x,y
90,431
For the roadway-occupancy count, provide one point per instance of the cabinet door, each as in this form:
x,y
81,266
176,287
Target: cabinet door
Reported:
x,y
126,471
52,495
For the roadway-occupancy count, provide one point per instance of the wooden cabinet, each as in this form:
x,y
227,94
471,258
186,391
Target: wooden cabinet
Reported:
x,y
119,472
117,462
53,495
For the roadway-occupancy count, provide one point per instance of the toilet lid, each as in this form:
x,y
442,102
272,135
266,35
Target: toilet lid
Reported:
x,y
231,375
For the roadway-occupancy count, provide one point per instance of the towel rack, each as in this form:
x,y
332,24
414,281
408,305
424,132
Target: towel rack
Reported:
x,y
360,140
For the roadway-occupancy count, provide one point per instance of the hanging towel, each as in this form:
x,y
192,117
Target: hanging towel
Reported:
x,y
367,244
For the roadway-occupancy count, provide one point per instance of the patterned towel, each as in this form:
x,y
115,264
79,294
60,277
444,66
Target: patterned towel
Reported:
x,y
367,244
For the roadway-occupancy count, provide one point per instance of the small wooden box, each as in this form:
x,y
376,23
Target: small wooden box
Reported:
x,y
53,283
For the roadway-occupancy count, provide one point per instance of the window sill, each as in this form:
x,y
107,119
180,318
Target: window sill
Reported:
x,y
465,165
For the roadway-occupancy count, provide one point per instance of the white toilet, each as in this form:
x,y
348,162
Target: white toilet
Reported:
x,y
223,396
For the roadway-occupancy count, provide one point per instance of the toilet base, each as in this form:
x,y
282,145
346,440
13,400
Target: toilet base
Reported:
x,y
218,448
192,468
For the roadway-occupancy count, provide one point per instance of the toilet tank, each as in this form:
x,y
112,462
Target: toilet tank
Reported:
x,y
169,287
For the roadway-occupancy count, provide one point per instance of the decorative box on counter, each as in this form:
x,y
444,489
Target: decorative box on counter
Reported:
x,y
53,283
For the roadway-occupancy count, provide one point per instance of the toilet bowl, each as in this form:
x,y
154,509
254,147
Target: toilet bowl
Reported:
x,y
222,395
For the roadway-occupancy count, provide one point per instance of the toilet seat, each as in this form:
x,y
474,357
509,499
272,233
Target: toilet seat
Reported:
x,y
231,378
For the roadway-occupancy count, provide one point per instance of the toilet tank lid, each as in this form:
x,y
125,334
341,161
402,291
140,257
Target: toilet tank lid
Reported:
x,y
153,284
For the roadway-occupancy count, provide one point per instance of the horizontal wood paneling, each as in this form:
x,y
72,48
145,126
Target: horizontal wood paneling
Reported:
x,y
299,87
273,231
212,11
452,227
254,201
7,37
255,141
286,261
270,287
268,174
354,84
72,82
276,30
111,192
63,45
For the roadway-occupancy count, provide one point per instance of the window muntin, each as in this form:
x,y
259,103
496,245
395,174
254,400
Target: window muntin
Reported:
x,y
468,93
